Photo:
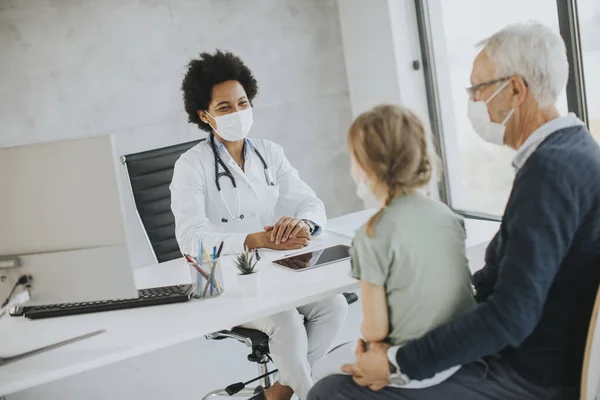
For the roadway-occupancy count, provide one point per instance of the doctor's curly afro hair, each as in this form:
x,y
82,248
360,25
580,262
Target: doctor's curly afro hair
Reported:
x,y
207,71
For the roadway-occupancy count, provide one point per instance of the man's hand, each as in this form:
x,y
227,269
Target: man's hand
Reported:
x,y
372,367
287,228
263,240
360,380
357,376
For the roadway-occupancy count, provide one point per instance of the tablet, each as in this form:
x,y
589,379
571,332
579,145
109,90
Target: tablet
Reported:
x,y
315,259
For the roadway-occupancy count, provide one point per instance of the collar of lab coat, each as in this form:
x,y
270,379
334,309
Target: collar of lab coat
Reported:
x,y
233,166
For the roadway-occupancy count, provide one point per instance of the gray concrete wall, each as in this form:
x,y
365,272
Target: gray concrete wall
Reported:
x,y
75,68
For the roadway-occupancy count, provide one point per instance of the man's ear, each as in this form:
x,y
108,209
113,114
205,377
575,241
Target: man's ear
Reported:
x,y
519,91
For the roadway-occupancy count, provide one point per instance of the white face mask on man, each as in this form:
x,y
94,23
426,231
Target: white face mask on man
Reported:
x,y
235,126
479,116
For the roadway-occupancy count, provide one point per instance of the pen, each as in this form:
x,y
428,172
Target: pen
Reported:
x,y
212,272
209,282
214,266
198,268
199,278
257,254
189,258
209,277
194,264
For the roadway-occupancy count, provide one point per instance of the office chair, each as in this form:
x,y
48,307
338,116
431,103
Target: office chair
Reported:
x,y
150,174
590,376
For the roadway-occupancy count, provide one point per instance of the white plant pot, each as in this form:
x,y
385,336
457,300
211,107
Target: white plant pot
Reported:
x,y
249,284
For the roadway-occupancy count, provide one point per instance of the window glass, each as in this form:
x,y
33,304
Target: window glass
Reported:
x,y
480,174
589,29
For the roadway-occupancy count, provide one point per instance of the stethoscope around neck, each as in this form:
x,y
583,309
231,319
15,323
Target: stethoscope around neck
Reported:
x,y
238,216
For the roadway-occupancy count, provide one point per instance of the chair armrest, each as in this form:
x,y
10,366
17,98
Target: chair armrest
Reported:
x,y
250,337
231,335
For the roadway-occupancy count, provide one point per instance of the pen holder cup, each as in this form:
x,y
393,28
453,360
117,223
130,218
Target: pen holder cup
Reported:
x,y
207,278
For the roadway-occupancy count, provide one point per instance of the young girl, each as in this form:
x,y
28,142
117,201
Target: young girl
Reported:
x,y
410,256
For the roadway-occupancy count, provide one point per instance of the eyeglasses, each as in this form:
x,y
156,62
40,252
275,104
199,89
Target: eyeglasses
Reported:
x,y
471,91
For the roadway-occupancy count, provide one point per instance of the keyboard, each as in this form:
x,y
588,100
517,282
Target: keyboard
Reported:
x,y
147,297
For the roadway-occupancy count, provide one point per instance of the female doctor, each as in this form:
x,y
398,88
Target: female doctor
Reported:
x,y
227,188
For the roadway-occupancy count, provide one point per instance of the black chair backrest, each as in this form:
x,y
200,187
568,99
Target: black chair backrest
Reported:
x,y
150,174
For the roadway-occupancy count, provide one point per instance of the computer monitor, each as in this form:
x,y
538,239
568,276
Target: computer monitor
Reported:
x,y
61,221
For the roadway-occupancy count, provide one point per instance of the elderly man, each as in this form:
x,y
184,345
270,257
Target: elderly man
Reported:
x,y
526,338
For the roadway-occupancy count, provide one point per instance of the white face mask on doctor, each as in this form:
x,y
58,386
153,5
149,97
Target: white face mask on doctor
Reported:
x,y
235,126
479,116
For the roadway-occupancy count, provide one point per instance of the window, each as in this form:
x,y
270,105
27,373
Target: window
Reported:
x,y
479,174
589,29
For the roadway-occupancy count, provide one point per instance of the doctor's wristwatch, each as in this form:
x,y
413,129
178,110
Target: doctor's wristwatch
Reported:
x,y
311,225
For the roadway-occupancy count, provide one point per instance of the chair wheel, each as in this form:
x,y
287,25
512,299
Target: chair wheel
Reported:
x,y
259,389
351,297
259,394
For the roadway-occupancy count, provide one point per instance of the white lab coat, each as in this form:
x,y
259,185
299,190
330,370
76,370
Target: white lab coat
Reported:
x,y
199,209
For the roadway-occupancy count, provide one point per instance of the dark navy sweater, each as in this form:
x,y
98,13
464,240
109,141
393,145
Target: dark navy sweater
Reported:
x,y
537,290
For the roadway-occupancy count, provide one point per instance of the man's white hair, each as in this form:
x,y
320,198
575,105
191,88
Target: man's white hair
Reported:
x,y
534,52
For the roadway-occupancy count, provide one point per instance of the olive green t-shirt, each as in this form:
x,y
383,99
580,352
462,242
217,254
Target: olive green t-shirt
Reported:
x,y
418,254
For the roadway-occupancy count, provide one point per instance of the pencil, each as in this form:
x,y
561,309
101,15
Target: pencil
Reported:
x,y
205,255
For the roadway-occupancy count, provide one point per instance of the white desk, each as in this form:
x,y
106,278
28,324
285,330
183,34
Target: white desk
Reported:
x,y
133,332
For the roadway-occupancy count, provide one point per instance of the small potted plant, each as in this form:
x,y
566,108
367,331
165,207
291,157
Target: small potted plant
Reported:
x,y
248,278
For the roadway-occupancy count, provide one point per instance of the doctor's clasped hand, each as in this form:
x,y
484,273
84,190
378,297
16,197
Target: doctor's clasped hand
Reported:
x,y
282,237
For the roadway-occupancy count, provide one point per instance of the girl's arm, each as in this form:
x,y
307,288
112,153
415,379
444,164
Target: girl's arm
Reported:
x,y
375,325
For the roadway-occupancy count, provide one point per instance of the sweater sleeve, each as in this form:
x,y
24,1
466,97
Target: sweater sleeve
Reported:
x,y
485,279
539,224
